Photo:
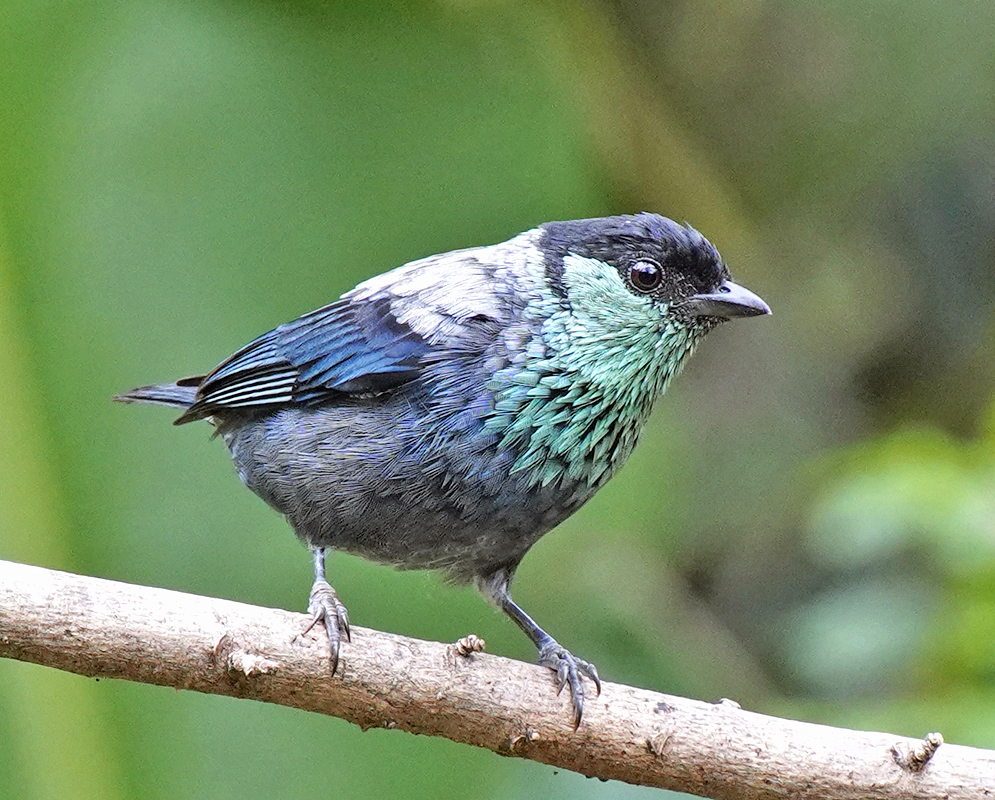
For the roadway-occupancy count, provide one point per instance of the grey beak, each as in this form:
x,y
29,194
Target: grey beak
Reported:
x,y
728,301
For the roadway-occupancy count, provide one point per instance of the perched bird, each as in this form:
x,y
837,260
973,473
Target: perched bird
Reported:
x,y
448,413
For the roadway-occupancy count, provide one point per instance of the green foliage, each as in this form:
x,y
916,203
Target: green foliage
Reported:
x,y
889,509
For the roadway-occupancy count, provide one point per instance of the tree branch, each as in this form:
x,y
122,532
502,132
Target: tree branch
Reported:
x,y
105,629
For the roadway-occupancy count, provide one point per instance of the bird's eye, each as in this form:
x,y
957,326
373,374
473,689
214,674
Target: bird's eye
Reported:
x,y
645,276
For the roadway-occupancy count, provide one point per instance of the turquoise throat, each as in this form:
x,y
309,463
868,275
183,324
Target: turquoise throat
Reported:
x,y
575,400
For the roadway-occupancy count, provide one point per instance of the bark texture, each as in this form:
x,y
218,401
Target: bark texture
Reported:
x,y
106,629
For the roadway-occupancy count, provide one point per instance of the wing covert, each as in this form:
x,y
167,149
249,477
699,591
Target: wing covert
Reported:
x,y
374,339
341,349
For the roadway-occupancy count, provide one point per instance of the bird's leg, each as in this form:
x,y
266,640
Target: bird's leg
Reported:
x,y
568,669
325,607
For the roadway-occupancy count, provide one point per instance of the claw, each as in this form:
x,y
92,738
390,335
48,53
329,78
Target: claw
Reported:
x,y
326,608
592,672
568,669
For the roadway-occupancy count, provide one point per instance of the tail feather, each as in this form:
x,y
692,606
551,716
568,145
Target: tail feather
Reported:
x,y
178,395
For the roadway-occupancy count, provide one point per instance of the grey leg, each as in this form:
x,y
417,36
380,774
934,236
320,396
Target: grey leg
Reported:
x,y
568,669
326,608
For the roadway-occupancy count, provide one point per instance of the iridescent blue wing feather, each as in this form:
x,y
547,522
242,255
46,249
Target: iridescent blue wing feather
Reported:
x,y
345,348
372,341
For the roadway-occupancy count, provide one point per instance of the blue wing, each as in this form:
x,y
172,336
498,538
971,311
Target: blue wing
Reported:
x,y
346,348
372,341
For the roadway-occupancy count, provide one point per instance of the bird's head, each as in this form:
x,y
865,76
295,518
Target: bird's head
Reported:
x,y
635,294
655,260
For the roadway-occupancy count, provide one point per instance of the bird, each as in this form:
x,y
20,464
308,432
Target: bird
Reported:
x,y
446,414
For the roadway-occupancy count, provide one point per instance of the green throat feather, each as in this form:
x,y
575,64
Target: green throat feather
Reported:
x,y
575,401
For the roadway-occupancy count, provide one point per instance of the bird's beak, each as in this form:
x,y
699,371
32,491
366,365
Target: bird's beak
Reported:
x,y
728,301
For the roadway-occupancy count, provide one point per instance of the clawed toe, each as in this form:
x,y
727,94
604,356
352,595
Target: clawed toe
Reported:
x,y
568,671
326,608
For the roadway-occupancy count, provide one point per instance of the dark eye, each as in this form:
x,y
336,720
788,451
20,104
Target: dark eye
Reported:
x,y
645,276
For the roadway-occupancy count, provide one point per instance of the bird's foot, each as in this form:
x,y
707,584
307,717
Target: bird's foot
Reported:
x,y
568,670
326,608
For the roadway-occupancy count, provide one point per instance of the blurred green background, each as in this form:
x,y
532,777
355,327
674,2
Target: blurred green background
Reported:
x,y
809,523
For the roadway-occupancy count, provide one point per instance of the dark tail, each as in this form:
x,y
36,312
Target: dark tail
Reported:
x,y
178,395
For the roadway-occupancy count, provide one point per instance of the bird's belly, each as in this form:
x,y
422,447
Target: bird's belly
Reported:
x,y
356,479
